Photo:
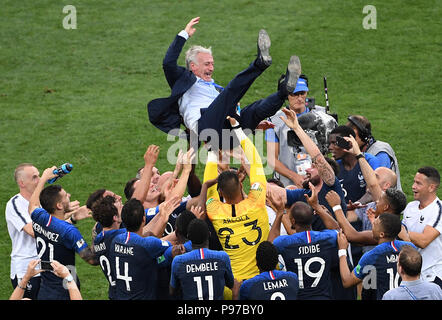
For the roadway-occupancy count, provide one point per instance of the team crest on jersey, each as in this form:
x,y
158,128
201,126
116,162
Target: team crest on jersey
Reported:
x,y
256,186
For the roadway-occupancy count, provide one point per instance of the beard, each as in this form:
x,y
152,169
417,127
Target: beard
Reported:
x,y
314,180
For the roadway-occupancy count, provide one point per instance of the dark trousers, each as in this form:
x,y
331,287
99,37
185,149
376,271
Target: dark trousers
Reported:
x,y
214,117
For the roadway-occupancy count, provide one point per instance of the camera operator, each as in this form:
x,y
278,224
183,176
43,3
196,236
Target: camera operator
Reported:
x,y
285,152
380,149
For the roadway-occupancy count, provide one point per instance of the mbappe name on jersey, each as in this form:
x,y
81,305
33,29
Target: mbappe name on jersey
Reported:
x,y
202,267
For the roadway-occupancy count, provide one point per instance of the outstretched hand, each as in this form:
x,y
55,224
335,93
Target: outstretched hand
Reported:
x,y
189,27
292,120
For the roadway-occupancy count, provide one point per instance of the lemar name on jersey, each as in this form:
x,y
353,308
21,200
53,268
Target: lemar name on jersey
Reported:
x,y
276,284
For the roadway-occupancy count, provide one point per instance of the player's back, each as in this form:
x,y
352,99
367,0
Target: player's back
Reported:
x,y
102,244
202,274
56,240
241,228
271,285
380,265
136,265
309,254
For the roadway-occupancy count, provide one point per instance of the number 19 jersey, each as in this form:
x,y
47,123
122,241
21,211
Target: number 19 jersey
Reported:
x,y
309,254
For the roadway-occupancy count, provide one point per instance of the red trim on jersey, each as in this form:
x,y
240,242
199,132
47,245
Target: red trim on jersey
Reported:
x,y
49,221
394,247
127,237
272,276
202,253
309,238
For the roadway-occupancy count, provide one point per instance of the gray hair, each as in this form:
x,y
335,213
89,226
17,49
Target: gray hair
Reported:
x,y
193,52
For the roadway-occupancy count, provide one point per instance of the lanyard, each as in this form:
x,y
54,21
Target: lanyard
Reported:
x,y
409,292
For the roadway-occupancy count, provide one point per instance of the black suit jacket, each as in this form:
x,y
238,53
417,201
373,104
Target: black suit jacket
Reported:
x,y
164,112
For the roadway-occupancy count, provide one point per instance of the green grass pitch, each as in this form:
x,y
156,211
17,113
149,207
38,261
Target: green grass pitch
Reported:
x,y
80,95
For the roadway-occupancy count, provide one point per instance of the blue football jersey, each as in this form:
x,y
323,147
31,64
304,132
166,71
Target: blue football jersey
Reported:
x,y
309,254
352,181
102,244
202,274
136,265
379,265
270,285
56,240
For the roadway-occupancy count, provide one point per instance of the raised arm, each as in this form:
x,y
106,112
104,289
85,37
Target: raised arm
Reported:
x,y
34,201
329,221
150,158
352,235
256,169
325,170
367,170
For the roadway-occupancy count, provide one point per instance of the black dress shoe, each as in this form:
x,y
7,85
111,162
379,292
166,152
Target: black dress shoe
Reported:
x,y
263,60
291,76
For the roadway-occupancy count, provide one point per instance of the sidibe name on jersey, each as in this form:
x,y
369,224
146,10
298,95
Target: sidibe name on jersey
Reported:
x,y
202,267
236,219
124,250
314,248
52,236
276,284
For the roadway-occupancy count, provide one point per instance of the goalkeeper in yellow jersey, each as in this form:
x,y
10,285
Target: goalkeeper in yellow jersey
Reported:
x,y
241,224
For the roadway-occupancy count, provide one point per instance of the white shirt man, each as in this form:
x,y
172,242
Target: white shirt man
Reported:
x,y
23,245
20,230
423,220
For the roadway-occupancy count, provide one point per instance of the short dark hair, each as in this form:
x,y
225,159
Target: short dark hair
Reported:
x,y
228,183
49,197
129,188
104,210
198,232
275,181
94,197
302,213
266,256
390,224
397,200
182,222
132,215
410,260
431,173
343,131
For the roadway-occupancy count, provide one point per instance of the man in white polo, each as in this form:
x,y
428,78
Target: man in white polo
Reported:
x,y
20,228
423,221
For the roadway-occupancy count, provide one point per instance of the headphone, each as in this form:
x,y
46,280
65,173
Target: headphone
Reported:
x,y
364,133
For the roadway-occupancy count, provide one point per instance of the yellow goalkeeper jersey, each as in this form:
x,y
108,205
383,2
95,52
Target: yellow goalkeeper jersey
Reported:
x,y
243,226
